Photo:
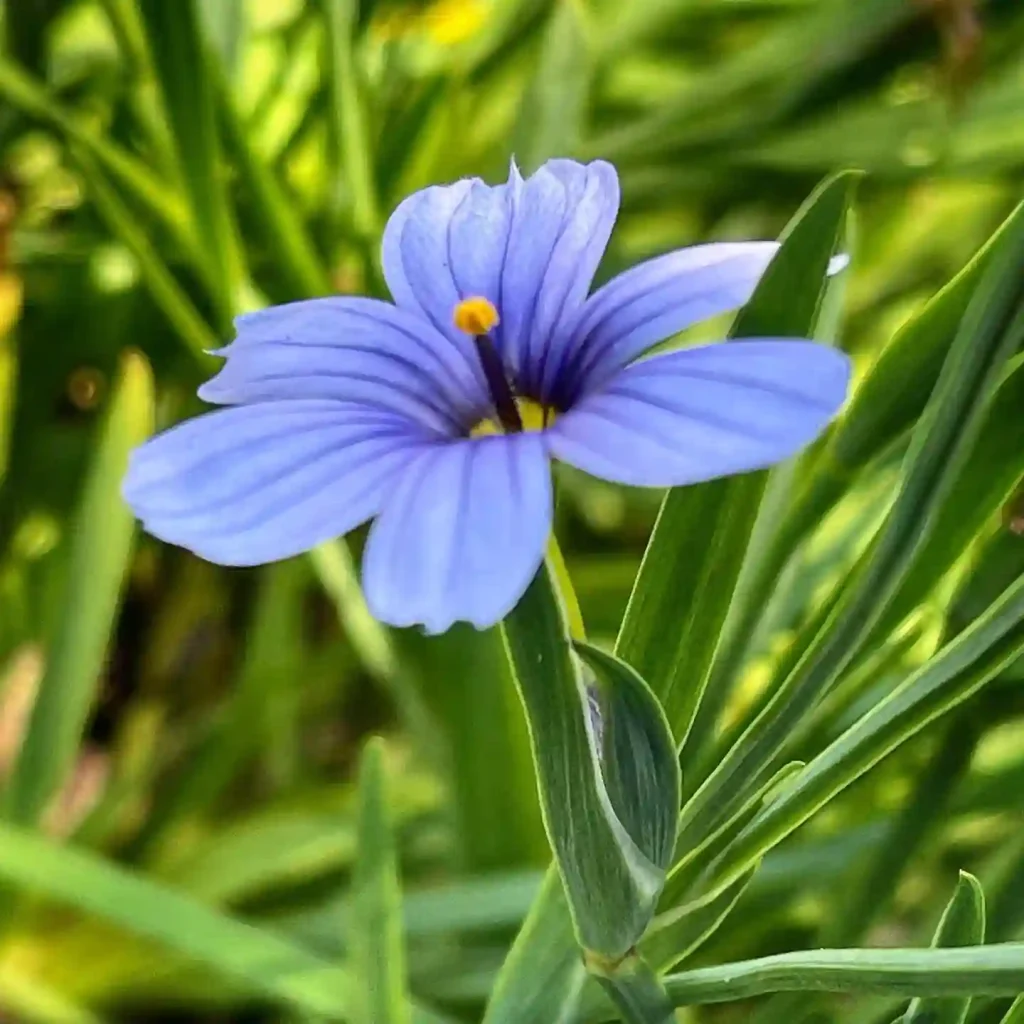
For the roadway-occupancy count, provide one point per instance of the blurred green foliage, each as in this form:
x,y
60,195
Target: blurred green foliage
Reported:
x,y
190,734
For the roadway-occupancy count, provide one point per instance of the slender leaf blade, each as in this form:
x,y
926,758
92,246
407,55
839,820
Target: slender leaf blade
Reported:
x,y
962,924
100,549
377,948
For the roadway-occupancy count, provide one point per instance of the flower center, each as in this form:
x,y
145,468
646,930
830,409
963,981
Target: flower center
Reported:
x,y
532,416
514,413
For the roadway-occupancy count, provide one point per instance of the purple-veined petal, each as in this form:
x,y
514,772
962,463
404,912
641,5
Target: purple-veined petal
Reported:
x,y
562,217
353,349
443,244
704,412
658,298
258,483
462,535
530,246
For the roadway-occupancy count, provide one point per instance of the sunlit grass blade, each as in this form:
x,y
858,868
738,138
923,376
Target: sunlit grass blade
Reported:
x,y
377,951
296,259
265,963
99,549
948,679
962,924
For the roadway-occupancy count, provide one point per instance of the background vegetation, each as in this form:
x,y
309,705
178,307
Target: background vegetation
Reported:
x,y
179,741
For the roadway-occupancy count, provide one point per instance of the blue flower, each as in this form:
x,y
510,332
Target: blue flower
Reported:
x,y
437,416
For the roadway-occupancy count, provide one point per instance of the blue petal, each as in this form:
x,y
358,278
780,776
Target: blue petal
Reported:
x,y
562,217
463,534
658,298
699,413
353,349
530,246
262,482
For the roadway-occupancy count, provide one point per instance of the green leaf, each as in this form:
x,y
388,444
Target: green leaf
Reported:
x,y
186,84
350,151
100,544
987,481
134,177
882,409
962,924
944,440
552,112
959,670
996,970
612,886
376,946
371,641
283,232
676,613
892,396
926,805
543,975
637,991
675,936
263,962
167,293
638,757
1015,1014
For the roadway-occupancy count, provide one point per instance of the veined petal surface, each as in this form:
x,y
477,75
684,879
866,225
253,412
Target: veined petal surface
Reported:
x,y
530,246
353,349
462,535
262,482
704,412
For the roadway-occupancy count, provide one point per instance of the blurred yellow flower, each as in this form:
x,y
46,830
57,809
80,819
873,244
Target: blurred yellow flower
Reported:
x,y
444,22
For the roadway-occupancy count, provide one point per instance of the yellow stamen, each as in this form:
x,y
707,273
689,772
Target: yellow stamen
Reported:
x,y
476,316
534,417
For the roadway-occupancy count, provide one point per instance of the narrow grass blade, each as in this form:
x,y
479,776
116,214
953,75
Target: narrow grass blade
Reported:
x,y
186,85
552,113
1015,1014
990,333
172,299
958,671
371,641
996,970
962,924
351,152
263,962
377,948
283,232
99,550
678,934
543,975
134,177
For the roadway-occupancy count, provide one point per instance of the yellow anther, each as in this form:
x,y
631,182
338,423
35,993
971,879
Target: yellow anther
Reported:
x,y
533,415
475,316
